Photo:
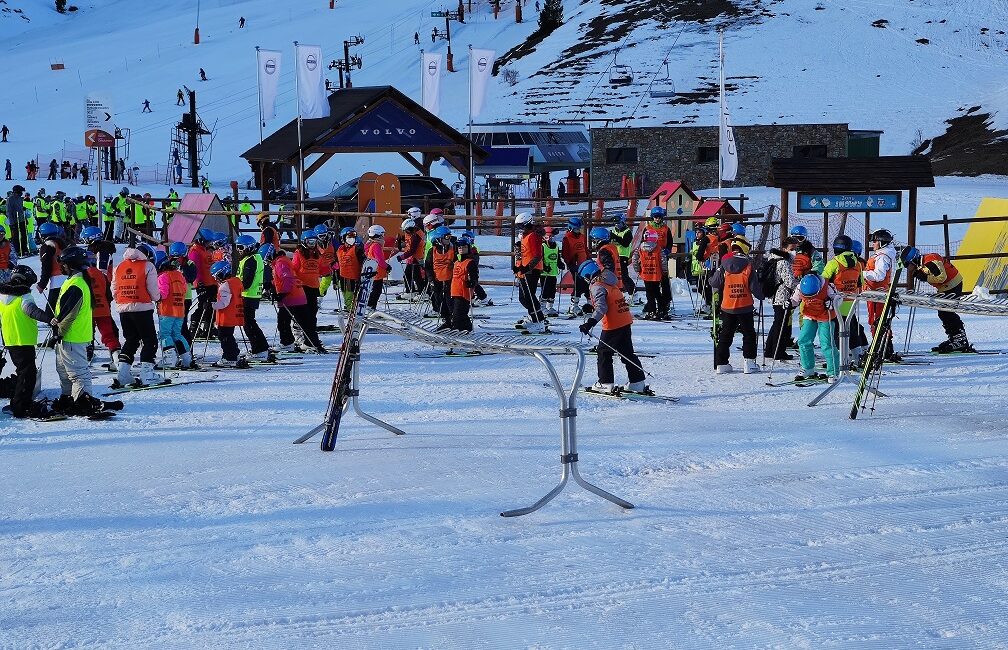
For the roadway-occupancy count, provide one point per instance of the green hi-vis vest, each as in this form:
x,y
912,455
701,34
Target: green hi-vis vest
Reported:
x,y
58,214
42,208
551,260
82,328
81,212
17,327
139,215
624,251
108,212
254,291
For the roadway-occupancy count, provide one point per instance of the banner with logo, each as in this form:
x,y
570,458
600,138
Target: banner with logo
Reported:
x,y
480,67
269,82
729,154
430,87
313,101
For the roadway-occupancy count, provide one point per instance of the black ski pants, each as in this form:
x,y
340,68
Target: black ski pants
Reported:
x,y
460,315
228,344
138,329
299,315
527,296
377,286
950,320
731,323
203,316
257,340
441,299
610,342
311,313
629,285
23,357
779,335
548,288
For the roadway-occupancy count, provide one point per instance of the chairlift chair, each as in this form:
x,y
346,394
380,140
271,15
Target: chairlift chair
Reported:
x,y
666,85
620,75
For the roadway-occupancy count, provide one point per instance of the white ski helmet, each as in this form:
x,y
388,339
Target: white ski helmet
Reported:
x,y
524,219
414,213
432,221
375,231
408,224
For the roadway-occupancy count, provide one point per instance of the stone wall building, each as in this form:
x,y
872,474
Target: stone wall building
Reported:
x,y
657,154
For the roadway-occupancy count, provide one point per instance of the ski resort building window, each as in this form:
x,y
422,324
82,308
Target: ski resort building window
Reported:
x,y
621,156
809,151
707,154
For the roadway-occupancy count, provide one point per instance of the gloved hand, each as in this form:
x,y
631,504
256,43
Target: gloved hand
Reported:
x,y
588,325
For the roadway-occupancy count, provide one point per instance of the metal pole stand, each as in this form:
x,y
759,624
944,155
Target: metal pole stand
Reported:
x,y
354,394
568,442
845,360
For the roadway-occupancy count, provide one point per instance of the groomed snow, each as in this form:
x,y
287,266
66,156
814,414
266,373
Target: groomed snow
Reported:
x,y
192,521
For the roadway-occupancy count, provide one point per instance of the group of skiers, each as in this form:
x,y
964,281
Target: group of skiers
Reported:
x,y
794,276
212,288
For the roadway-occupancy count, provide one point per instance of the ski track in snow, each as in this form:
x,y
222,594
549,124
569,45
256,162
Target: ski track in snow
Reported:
x,y
191,521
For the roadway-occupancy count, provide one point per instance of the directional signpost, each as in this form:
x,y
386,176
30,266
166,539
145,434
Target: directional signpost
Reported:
x,y
98,122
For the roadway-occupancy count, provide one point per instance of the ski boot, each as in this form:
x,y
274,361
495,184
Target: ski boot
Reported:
x,y
959,343
91,407
943,347
723,369
63,405
638,388
750,366
605,389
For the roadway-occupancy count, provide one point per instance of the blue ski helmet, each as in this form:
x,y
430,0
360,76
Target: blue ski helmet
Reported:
x,y
49,229
619,219
220,269
204,235
268,251
910,255
178,249
658,213
575,223
799,231
588,269
160,259
857,247
345,231
91,234
309,238
738,229
439,232
598,233
810,285
466,239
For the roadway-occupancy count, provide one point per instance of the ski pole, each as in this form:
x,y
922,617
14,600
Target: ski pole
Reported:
x,y
780,335
621,355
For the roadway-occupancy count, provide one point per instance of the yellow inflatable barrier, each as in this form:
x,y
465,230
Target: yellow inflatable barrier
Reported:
x,y
986,237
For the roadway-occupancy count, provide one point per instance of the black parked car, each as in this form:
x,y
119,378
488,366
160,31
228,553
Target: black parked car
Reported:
x,y
424,192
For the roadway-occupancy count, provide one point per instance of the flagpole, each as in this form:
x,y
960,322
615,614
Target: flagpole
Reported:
x,y
720,109
423,90
472,171
259,93
297,91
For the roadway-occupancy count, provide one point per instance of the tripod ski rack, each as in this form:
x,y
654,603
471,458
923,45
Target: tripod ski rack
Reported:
x,y
416,328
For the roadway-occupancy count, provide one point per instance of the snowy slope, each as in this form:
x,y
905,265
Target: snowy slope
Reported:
x,y
790,60
191,520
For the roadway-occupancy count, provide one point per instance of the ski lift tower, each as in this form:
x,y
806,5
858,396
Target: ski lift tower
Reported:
x,y
186,139
446,35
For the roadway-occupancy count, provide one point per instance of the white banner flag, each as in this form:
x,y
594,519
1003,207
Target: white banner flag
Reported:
x,y
313,101
729,154
480,67
269,82
430,87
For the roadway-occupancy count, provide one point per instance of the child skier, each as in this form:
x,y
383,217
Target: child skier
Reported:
x,y
251,271
327,259
229,315
51,277
306,265
135,288
205,285
621,237
946,279
739,287
349,259
878,276
656,224
411,255
552,265
611,309
465,276
438,266
648,260
171,310
844,273
18,316
574,251
101,312
815,296
374,249
527,266
780,282
8,256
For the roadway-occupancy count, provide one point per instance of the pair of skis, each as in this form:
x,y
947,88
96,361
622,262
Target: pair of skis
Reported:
x,y
876,351
348,355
